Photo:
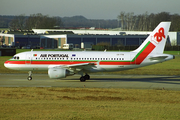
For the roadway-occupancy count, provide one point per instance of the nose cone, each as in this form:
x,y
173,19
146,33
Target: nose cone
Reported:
x,y
9,65
6,64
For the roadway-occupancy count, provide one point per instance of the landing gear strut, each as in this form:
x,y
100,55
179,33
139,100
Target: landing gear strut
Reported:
x,y
84,78
30,76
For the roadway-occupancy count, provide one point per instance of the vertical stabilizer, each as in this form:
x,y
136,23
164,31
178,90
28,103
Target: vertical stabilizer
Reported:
x,y
157,39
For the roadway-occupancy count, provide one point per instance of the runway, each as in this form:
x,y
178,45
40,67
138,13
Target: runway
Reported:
x,y
96,81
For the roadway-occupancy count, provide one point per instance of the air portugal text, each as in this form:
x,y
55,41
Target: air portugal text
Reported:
x,y
54,55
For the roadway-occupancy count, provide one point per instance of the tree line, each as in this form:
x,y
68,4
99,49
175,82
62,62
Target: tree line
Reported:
x,y
39,21
147,22
82,22
126,21
34,21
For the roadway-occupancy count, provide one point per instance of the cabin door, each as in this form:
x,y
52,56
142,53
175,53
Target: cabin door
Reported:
x,y
28,59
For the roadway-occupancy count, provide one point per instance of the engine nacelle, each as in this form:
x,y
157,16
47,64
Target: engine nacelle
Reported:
x,y
56,73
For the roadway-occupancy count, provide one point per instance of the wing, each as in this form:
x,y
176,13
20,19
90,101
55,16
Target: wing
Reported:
x,y
79,67
75,67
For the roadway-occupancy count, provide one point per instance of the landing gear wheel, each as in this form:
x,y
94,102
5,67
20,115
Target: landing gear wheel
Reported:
x,y
87,77
82,79
29,78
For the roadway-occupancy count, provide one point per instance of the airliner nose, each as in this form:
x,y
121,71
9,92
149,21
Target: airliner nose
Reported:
x,y
6,64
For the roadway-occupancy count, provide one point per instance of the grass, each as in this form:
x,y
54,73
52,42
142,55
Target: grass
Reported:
x,y
88,103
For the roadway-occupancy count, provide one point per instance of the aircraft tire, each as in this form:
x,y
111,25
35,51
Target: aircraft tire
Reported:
x,y
82,79
29,78
87,77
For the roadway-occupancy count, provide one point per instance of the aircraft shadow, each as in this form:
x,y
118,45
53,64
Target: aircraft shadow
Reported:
x,y
164,80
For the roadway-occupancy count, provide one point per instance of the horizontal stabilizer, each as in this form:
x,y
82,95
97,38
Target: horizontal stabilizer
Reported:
x,y
158,58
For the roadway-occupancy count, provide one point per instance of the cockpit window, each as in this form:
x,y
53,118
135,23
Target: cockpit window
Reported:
x,y
16,57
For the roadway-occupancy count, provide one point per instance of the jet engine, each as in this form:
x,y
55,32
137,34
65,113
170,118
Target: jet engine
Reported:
x,y
56,73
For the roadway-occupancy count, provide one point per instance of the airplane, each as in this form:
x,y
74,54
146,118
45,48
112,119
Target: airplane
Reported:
x,y
61,64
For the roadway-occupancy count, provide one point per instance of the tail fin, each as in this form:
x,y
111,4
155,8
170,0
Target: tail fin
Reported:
x,y
157,39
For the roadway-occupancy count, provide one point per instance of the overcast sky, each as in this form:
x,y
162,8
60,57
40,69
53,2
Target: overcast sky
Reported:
x,y
91,9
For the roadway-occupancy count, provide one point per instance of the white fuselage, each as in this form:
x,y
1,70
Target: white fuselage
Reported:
x,y
104,61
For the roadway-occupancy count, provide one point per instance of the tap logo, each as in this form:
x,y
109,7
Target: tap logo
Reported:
x,y
159,35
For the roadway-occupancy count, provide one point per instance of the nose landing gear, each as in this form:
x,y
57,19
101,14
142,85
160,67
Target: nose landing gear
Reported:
x,y
30,76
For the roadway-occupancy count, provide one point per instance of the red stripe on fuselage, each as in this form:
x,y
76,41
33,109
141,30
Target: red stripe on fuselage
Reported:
x,y
48,62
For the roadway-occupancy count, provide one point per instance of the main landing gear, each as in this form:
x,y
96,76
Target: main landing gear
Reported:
x,y
84,78
30,76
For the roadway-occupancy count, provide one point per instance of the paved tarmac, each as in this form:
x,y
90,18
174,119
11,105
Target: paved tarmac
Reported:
x,y
96,81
